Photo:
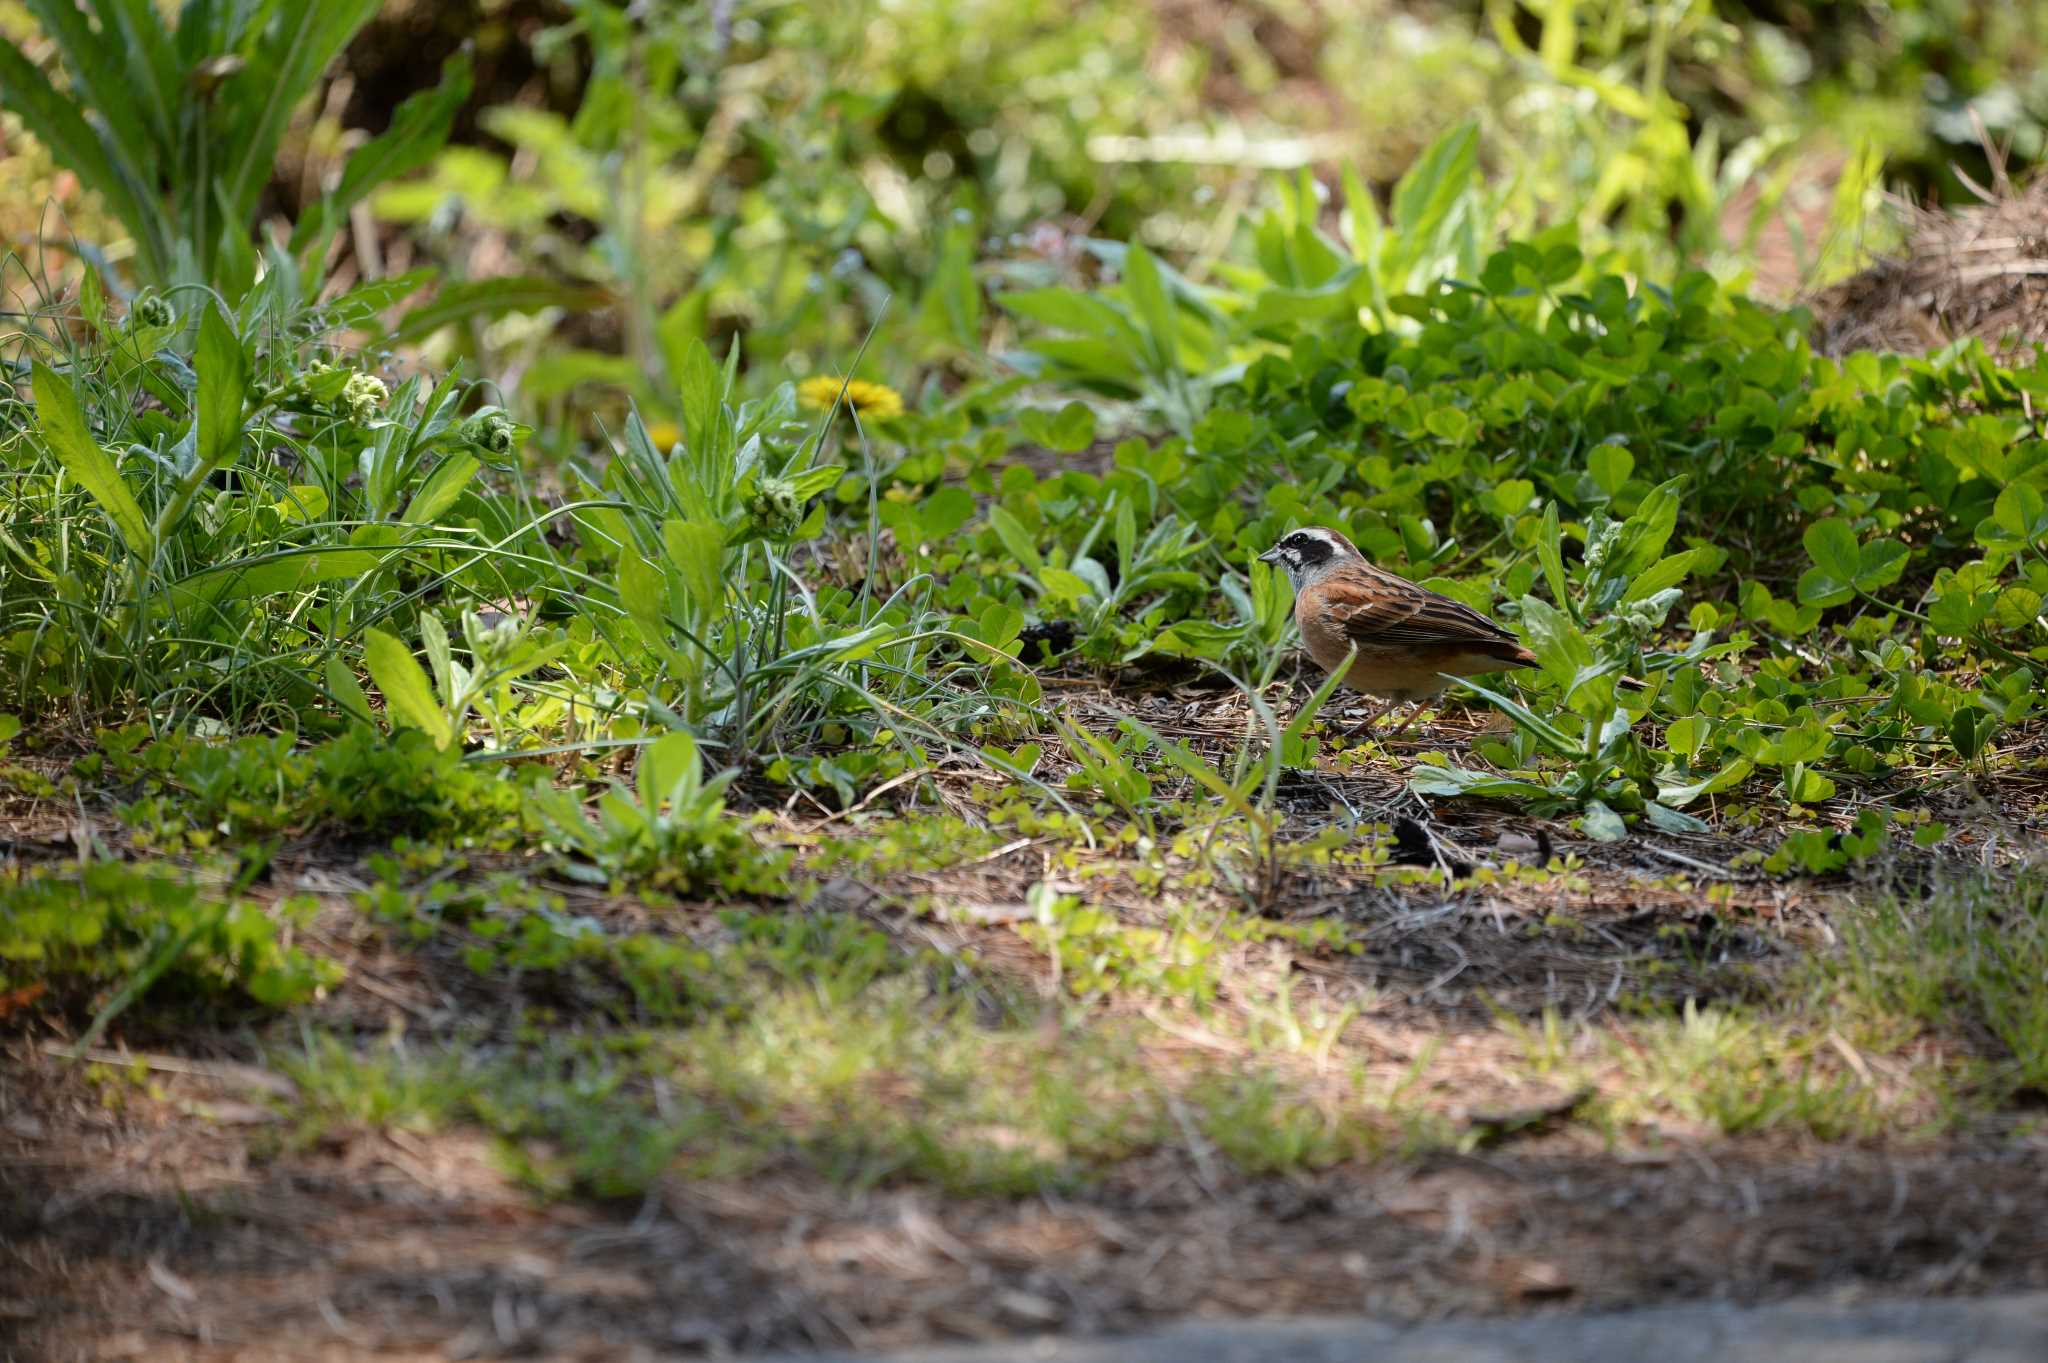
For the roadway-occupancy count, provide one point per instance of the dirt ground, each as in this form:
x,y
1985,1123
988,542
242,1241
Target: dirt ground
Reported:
x,y
156,1233
161,1216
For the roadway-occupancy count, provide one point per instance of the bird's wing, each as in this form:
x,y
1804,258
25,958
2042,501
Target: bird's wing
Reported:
x,y
1393,610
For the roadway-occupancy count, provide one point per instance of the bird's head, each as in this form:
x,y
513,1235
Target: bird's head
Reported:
x,y
1305,554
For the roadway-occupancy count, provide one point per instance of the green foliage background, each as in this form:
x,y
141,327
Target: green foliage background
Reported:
x,y
683,482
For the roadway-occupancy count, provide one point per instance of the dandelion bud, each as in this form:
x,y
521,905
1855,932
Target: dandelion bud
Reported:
x,y
154,310
363,395
775,510
492,431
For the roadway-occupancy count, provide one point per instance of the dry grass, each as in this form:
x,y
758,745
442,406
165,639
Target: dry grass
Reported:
x,y
1978,271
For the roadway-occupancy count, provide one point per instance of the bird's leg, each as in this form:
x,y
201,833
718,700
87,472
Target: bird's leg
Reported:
x,y
1358,730
1413,715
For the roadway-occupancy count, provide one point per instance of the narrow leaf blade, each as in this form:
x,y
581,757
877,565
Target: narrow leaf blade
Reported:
x,y
63,426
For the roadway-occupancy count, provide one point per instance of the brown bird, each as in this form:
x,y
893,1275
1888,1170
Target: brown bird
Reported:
x,y
1407,636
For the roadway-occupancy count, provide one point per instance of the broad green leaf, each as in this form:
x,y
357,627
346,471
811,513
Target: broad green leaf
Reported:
x,y
440,489
1686,736
1882,563
1610,464
643,591
362,303
1959,613
1838,563
1429,195
1061,585
1676,792
1097,578
1668,571
1560,263
1016,539
1665,819
1083,314
1511,497
345,690
408,697
1363,228
1449,423
699,393
1155,307
2017,608
1601,823
302,502
292,571
951,306
669,768
435,636
1070,429
697,549
1277,310
998,624
1114,364
1558,643
572,367
2020,510
686,320
1804,786
63,426
1644,534
223,387
1831,544
823,478
945,510
1427,778
1817,587
1970,730
1798,743
1550,552
494,298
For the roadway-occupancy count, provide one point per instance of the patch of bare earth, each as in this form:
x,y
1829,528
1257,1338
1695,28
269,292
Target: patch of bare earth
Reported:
x,y
169,1220
156,1234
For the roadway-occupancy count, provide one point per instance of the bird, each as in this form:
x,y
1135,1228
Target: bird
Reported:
x,y
1408,637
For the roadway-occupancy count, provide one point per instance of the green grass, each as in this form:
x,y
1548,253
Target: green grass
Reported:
x,y
1967,962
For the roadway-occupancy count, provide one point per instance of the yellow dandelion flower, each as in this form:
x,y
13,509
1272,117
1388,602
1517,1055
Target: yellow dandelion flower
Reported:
x,y
873,401
663,435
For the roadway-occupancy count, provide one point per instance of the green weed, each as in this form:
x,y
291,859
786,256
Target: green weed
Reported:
x,y
1972,955
106,926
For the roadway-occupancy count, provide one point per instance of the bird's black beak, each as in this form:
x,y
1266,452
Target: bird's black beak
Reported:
x,y
1271,555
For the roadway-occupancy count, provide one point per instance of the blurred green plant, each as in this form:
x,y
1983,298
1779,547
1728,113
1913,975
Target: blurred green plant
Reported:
x,y
108,926
670,831
177,125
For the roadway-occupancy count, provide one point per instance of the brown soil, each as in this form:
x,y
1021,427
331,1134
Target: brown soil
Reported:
x,y
175,1220
149,1234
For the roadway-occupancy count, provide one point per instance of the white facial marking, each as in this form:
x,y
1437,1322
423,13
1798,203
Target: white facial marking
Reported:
x,y
1303,554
